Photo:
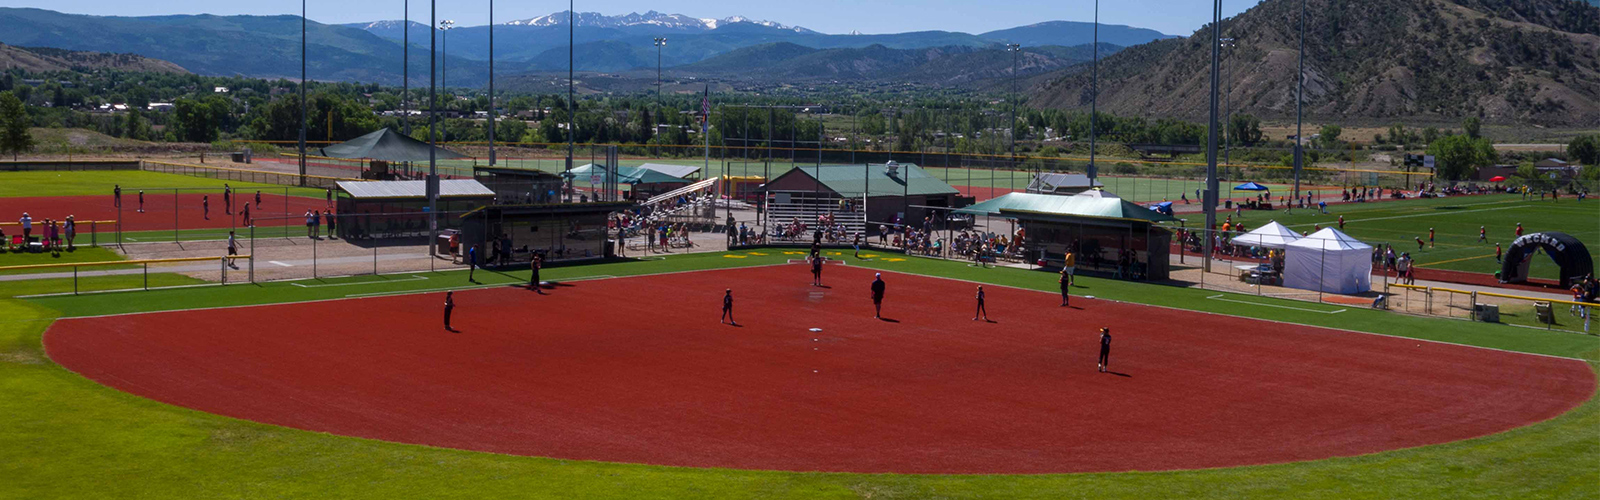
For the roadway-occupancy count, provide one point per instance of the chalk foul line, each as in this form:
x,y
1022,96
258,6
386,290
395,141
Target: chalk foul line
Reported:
x,y
1222,298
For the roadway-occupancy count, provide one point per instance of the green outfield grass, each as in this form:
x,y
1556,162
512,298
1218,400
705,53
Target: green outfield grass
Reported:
x,y
101,183
1455,221
68,437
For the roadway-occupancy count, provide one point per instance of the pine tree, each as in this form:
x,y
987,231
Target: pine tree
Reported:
x,y
14,123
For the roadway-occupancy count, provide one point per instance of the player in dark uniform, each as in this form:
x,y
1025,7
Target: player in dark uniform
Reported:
x,y
449,305
1066,286
727,307
877,296
816,250
472,262
141,201
1105,348
533,280
258,197
116,195
247,222
981,310
205,206
816,271
227,199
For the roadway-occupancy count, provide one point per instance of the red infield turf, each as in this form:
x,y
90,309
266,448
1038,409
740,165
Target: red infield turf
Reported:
x,y
158,210
594,371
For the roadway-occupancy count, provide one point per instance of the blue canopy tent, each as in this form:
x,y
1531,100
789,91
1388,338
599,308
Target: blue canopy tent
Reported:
x,y
1250,186
1164,207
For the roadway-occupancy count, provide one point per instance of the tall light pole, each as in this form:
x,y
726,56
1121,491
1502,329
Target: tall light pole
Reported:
x,y
444,61
491,83
302,92
1210,198
433,138
1094,93
1227,119
660,42
1014,49
1299,98
405,73
572,74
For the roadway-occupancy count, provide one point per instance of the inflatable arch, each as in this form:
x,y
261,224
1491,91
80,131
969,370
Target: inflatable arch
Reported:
x,y
1568,252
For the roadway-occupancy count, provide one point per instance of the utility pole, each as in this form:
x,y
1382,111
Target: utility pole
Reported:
x,y
1227,121
491,83
1210,202
302,92
1299,99
1094,93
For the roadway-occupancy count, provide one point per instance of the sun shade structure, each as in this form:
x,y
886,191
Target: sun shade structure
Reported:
x,y
679,171
1056,183
1250,186
385,145
625,175
1272,235
1093,204
1328,261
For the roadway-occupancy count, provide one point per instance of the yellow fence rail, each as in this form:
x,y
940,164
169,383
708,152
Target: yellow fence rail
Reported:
x,y
1544,308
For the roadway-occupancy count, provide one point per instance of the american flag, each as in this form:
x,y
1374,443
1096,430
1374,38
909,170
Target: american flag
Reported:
x,y
705,111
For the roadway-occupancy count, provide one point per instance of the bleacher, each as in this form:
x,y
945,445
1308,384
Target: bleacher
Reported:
x,y
807,207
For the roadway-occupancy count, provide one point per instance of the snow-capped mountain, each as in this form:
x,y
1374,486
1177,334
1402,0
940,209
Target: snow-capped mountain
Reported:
x,y
677,21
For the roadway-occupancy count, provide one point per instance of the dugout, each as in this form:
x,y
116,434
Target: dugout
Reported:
x,y
520,186
392,209
559,231
1097,226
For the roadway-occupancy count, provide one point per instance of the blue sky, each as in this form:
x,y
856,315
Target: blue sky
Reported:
x,y
1176,17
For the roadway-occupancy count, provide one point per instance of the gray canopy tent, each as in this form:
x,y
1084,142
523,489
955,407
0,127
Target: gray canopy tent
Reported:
x,y
383,147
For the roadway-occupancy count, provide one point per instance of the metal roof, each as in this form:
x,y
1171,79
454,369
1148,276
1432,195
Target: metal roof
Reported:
x,y
1098,204
1054,181
853,180
454,188
679,171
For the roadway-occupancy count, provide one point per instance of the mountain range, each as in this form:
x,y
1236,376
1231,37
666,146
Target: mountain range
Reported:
x,y
48,59
269,46
1523,61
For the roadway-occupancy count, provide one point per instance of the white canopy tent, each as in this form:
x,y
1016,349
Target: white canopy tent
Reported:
x,y
1328,261
1272,235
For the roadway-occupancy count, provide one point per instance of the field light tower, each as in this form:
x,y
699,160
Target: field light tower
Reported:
x,y
1015,50
444,52
660,42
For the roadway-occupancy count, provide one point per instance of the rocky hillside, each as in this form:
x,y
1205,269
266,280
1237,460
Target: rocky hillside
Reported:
x,y
46,59
1507,61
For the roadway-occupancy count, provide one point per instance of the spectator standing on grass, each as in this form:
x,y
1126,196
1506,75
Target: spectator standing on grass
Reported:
x,y
1403,269
54,230
878,288
472,262
316,223
116,195
1105,349
27,227
72,231
650,241
727,307
330,198
329,216
308,223
449,306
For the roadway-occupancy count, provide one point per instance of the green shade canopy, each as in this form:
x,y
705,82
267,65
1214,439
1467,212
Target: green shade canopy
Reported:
x,y
385,145
1094,203
625,175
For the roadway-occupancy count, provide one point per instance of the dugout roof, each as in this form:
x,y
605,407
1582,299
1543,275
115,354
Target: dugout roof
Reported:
x,y
376,190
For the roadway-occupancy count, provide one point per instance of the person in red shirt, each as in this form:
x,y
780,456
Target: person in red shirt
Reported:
x,y
1430,237
1483,234
1341,223
1497,253
1519,229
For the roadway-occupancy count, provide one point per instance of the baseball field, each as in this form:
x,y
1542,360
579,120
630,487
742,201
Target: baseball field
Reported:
x,y
619,381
